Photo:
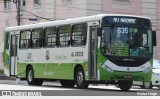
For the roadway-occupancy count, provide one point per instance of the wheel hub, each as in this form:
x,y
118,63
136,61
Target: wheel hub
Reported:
x,y
80,78
147,84
30,76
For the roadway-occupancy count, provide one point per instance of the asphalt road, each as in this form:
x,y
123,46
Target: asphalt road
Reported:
x,y
55,89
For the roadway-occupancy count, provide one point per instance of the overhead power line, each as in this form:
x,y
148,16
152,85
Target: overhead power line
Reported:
x,y
38,16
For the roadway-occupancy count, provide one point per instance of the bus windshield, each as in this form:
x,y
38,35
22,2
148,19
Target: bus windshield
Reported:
x,y
126,41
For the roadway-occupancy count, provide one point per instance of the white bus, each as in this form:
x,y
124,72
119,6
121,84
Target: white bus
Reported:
x,y
105,48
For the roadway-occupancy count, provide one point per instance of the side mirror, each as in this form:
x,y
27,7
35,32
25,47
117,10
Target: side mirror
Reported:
x,y
154,40
99,31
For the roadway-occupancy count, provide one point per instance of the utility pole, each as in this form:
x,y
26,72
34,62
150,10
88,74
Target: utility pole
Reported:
x,y
18,7
18,13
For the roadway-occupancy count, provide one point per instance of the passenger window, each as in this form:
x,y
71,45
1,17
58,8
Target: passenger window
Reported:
x,y
50,37
25,39
79,35
37,38
64,34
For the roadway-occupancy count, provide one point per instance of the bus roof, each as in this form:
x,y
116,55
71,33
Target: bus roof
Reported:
x,y
67,21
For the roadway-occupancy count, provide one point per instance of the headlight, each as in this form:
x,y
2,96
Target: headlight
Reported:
x,y
147,70
107,68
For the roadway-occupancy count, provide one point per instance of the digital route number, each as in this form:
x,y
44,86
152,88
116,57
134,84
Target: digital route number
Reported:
x,y
122,30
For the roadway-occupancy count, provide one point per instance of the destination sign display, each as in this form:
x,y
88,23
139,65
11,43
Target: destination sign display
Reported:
x,y
126,21
122,20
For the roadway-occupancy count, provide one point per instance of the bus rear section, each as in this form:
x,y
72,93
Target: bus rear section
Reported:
x,y
10,52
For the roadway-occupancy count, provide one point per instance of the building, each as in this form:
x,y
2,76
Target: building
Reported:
x,y
46,10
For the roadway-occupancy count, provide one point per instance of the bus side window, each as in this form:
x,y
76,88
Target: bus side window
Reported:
x,y
24,39
63,37
50,37
37,38
79,34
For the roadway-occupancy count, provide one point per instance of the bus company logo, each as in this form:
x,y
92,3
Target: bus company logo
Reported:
x,y
47,55
6,93
7,61
29,55
132,60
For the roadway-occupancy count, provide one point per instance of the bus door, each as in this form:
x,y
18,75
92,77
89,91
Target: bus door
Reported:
x,y
93,53
13,54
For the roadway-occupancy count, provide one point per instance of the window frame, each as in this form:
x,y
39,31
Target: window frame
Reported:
x,y
44,37
82,31
37,3
29,42
41,38
58,42
67,2
7,4
23,3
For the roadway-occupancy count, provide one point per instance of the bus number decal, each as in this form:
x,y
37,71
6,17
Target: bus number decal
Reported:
x,y
77,54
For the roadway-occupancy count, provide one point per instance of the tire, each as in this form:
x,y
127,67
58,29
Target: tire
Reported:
x,y
30,78
80,79
147,85
142,86
125,85
67,83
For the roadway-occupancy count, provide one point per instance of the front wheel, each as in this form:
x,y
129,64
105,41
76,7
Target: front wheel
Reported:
x,y
30,78
147,85
80,79
125,85
142,86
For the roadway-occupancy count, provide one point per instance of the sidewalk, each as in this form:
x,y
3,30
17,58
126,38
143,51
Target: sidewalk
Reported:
x,y
4,77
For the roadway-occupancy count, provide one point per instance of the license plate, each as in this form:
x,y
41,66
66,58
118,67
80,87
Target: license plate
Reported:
x,y
127,77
